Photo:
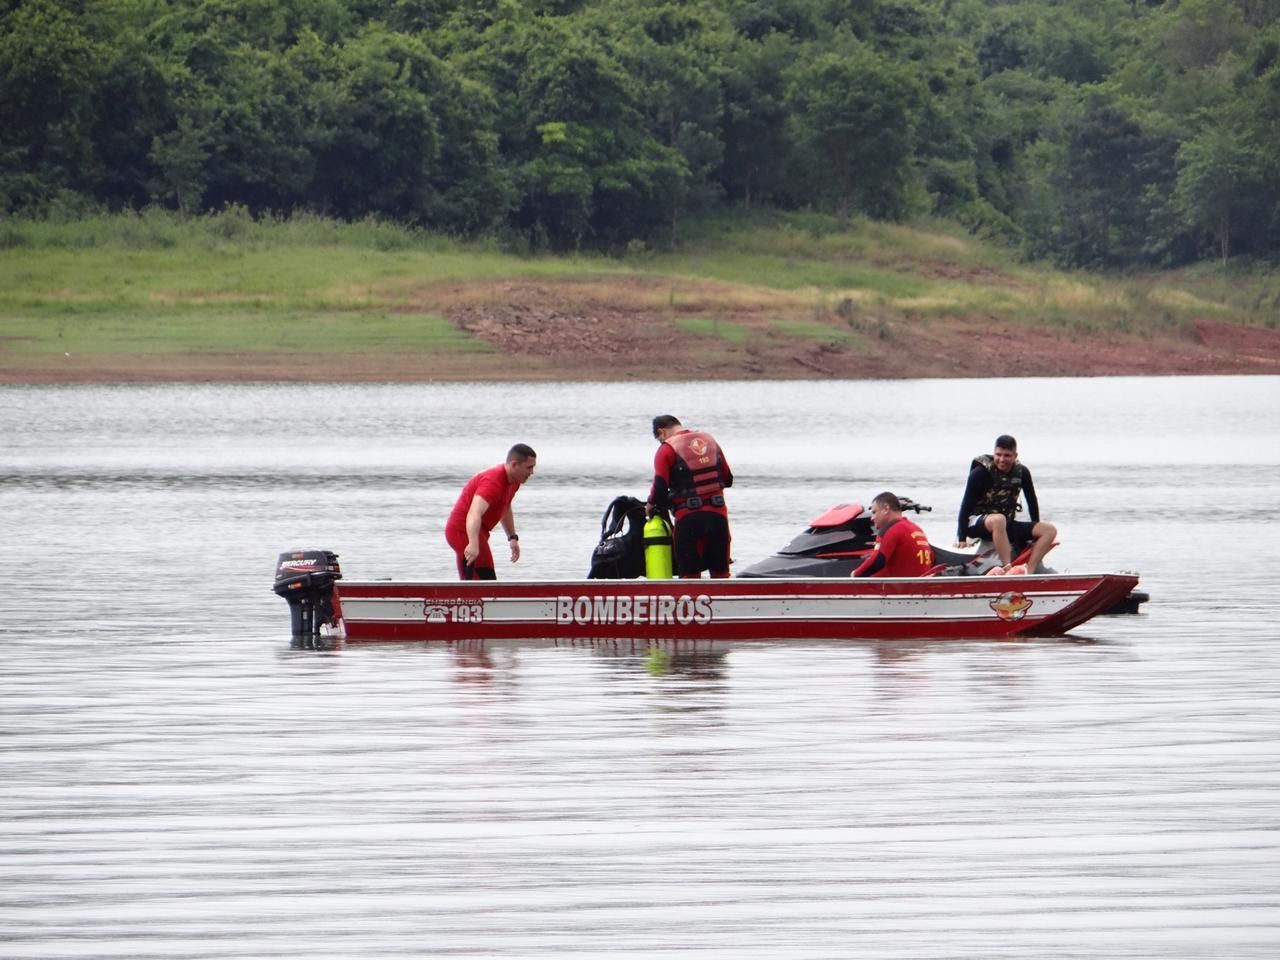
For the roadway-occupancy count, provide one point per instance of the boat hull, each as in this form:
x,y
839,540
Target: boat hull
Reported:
x,y
800,609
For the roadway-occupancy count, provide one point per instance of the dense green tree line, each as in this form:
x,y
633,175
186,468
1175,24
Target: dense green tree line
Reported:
x,y
1099,133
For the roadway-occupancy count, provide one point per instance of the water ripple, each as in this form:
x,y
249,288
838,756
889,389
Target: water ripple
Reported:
x,y
181,782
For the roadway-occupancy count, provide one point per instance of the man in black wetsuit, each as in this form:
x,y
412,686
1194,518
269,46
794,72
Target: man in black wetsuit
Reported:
x,y
990,504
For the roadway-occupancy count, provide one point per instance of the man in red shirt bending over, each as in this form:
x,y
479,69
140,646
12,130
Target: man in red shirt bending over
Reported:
x,y
690,474
485,502
902,549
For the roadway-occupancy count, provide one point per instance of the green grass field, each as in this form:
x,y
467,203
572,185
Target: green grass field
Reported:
x,y
713,327
223,329
155,283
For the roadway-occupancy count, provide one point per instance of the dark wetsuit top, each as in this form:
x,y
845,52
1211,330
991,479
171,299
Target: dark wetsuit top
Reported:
x,y
979,485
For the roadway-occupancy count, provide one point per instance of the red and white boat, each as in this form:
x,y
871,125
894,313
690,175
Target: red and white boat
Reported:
x,y
814,608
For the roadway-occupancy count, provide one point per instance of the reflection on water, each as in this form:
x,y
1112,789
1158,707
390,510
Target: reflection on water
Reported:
x,y
180,781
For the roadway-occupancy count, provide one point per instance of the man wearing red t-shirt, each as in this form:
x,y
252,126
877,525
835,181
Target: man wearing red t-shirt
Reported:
x,y
902,549
690,474
484,503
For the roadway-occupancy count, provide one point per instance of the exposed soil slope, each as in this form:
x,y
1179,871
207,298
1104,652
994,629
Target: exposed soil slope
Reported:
x,y
654,328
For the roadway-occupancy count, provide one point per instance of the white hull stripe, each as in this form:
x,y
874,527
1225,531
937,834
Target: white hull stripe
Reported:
x,y
551,610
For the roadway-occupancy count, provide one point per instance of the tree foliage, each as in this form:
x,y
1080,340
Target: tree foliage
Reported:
x,y
1095,132
854,114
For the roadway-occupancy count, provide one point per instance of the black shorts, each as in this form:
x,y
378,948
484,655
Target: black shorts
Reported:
x,y
1019,530
469,571
702,543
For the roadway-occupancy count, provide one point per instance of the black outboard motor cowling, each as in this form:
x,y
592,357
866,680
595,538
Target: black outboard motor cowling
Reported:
x,y
305,578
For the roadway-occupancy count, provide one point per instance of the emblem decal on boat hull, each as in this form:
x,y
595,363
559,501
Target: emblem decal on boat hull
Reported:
x,y
1011,605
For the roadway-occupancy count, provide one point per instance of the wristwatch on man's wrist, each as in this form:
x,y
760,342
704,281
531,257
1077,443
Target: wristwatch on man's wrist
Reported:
x,y
513,536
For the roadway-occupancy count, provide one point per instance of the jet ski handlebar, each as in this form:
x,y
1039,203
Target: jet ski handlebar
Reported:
x,y
909,504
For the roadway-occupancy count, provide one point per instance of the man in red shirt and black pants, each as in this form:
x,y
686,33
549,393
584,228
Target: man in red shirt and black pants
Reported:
x,y
902,549
690,475
484,503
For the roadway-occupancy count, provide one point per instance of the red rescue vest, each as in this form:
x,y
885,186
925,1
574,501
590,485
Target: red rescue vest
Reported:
x,y
695,478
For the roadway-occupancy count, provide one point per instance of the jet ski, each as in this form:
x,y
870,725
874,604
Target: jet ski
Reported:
x,y
835,543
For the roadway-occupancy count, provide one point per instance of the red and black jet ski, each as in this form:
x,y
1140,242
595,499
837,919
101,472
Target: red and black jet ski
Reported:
x,y
834,544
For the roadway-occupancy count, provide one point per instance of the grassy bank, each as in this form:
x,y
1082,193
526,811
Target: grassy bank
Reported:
x,y
158,284
155,285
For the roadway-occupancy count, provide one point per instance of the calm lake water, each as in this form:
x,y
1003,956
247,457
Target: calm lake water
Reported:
x,y
177,782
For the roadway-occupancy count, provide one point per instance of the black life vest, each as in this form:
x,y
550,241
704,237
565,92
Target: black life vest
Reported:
x,y
1006,488
695,478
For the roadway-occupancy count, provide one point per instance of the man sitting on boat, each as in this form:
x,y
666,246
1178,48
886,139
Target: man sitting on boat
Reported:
x,y
690,476
990,505
484,503
902,549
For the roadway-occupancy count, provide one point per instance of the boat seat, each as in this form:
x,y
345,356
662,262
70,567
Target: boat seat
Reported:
x,y
1021,556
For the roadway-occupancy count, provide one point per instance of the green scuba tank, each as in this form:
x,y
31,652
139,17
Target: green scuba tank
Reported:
x,y
657,549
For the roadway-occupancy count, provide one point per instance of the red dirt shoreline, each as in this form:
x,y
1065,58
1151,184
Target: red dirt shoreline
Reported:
x,y
540,332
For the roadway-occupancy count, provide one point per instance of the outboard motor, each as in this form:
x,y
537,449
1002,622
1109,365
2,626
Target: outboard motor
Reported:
x,y
305,578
